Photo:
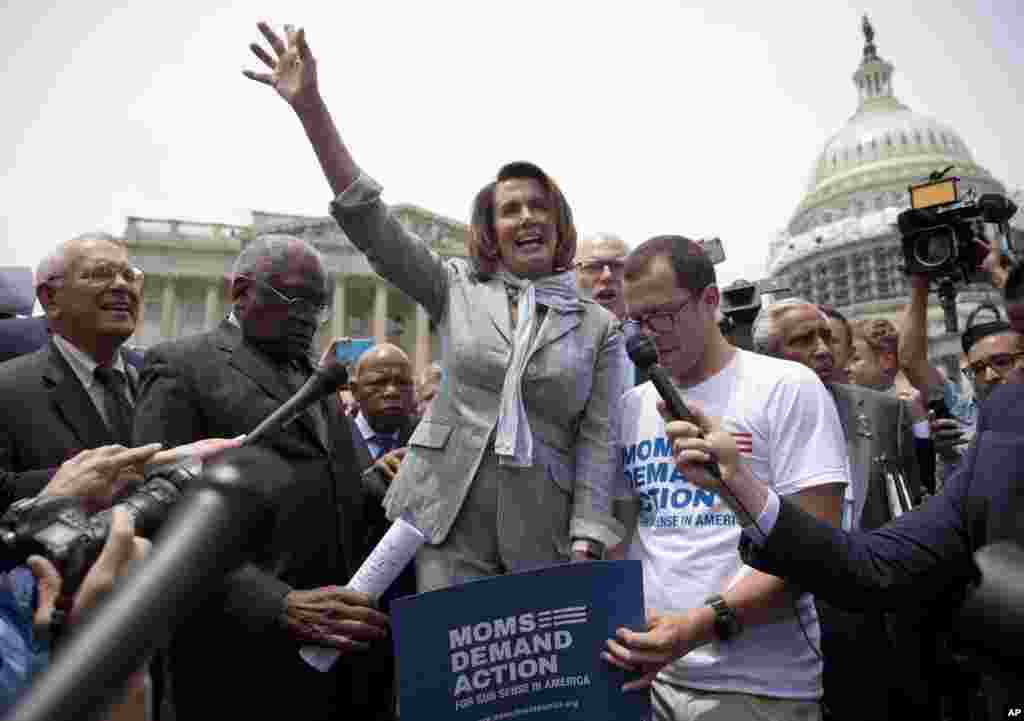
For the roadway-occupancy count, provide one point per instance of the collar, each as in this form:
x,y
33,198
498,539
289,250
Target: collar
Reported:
x,y
366,430
83,364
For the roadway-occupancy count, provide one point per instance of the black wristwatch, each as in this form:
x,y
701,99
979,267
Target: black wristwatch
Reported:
x,y
727,624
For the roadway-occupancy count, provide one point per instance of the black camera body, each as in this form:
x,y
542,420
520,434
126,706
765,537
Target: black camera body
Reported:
x,y
57,528
941,230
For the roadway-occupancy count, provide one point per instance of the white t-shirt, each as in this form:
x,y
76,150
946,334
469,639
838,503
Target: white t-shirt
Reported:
x,y
788,433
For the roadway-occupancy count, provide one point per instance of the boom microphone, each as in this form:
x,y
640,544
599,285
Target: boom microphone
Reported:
x,y
644,355
225,515
326,379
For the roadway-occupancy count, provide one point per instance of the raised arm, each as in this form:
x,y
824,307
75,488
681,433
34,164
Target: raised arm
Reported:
x,y
913,347
394,252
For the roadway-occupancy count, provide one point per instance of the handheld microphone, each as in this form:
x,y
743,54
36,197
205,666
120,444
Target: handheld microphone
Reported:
x,y
210,532
326,379
644,355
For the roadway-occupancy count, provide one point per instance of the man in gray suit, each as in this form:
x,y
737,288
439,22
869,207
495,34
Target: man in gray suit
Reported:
x,y
880,443
76,391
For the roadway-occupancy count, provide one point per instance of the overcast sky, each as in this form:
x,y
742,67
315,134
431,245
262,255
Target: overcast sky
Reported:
x,y
654,116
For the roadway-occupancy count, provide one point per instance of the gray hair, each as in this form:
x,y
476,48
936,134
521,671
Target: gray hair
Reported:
x,y
592,238
56,261
270,254
765,331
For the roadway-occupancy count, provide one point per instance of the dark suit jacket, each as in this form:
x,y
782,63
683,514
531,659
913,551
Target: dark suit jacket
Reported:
x,y
19,336
876,424
923,558
233,660
46,417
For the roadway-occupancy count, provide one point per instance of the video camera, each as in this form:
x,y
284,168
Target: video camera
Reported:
x,y
941,232
741,302
61,529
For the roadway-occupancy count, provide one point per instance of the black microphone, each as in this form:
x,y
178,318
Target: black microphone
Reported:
x,y
221,519
644,355
326,379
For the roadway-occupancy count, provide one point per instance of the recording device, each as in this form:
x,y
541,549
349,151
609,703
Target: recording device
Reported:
x,y
939,408
326,379
644,355
741,302
225,516
941,231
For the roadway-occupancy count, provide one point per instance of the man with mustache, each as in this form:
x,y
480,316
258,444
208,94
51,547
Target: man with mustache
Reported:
x,y
223,383
76,392
879,439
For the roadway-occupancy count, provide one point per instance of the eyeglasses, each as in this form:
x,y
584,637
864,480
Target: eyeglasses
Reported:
x,y
1001,363
305,307
104,275
615,266
659,321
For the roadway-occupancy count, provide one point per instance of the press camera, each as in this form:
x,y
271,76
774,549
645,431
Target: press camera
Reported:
x,y
941,231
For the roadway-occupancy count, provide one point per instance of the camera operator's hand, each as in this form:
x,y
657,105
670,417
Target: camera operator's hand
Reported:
x,y
99,475
333,616
196,451
997,266
122,547
947,435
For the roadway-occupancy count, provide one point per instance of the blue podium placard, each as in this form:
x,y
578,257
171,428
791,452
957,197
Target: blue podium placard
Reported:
x,y
523,644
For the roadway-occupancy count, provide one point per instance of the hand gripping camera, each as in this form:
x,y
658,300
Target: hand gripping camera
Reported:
x,y
941,233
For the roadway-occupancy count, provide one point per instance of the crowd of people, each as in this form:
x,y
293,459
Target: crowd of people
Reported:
x,y
815,580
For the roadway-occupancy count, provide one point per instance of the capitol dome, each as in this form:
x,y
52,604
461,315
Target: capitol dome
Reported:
x,y
885,147
841,246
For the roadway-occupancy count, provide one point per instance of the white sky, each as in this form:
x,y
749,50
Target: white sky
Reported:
x,y
664,117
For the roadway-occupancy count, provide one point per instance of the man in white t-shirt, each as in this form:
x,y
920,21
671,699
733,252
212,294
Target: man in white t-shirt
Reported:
x,y
723,640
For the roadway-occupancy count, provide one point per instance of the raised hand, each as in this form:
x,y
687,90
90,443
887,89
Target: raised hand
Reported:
x,y
293,67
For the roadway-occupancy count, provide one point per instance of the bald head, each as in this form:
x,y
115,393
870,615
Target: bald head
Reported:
x,y
600,258
383,387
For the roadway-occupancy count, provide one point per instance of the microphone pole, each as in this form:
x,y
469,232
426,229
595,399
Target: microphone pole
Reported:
x,y
207,535
326,379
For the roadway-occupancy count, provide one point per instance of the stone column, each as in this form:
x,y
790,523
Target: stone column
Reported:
x,y
380,313
168,308
339,319
212,316
421,339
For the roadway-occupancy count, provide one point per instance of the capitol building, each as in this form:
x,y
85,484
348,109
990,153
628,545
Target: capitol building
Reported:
x,y
842,246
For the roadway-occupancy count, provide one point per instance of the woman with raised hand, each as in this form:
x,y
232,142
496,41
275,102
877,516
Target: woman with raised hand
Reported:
x,y
513,465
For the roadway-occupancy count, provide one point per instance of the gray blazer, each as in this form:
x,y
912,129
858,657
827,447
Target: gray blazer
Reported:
x,y
876,424
572,382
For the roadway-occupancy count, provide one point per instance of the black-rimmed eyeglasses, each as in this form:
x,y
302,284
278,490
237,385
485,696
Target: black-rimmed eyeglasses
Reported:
x,y
662,320
1001,363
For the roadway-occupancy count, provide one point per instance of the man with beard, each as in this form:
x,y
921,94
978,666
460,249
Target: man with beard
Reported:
x,y
238,656
879,440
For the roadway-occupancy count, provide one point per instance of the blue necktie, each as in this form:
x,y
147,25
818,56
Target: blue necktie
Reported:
x,y
385,444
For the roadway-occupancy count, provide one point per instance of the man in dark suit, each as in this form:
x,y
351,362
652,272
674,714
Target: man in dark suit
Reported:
x,y
383,388
76,391
238,657
923,559
884,482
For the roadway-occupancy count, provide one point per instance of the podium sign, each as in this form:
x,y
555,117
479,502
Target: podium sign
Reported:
x,y
523,644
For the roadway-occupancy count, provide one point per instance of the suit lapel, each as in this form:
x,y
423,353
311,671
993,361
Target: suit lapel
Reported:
x,y
555,325
72,401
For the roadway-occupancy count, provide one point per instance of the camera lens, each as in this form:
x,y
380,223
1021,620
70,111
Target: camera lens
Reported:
x,y
935,247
